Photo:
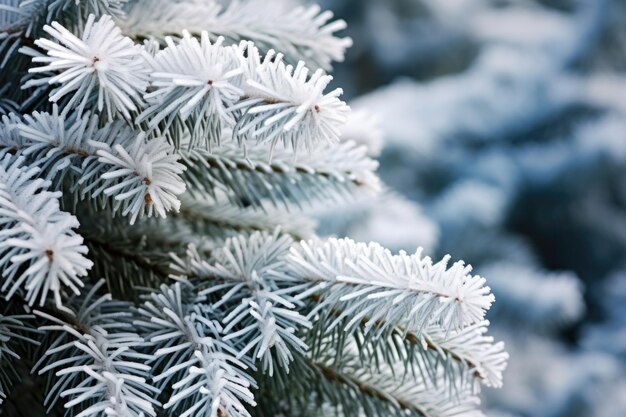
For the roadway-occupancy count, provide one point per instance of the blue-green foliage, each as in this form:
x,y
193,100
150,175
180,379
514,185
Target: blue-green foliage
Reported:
x,y
160,164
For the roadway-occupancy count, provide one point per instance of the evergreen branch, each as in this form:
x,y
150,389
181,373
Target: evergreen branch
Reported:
x,y
79,10
95,360
14,330
328,174
219,217
39,250
61,145
131,256
259,311
355,388
7,105
103,69
379,394
458,351
367,281
484,358
117,264
18,21
197,87
10,141
202,88
139,176
192,357
302,33
193,83
286,104
367,390
145,177
456,357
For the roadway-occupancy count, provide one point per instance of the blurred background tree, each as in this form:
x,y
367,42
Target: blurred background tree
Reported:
x,y
504,131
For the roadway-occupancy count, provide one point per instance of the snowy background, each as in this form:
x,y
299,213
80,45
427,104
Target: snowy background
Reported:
x,y
501,131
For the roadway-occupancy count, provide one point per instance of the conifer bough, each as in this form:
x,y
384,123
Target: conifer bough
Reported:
x,y
156,162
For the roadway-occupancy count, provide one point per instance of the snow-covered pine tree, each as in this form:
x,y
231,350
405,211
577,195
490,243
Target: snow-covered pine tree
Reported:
x,y
154,158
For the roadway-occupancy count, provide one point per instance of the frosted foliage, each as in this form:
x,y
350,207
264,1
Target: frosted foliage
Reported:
x,y
103,66
170,174
384,287
156,181
41,251
302,32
